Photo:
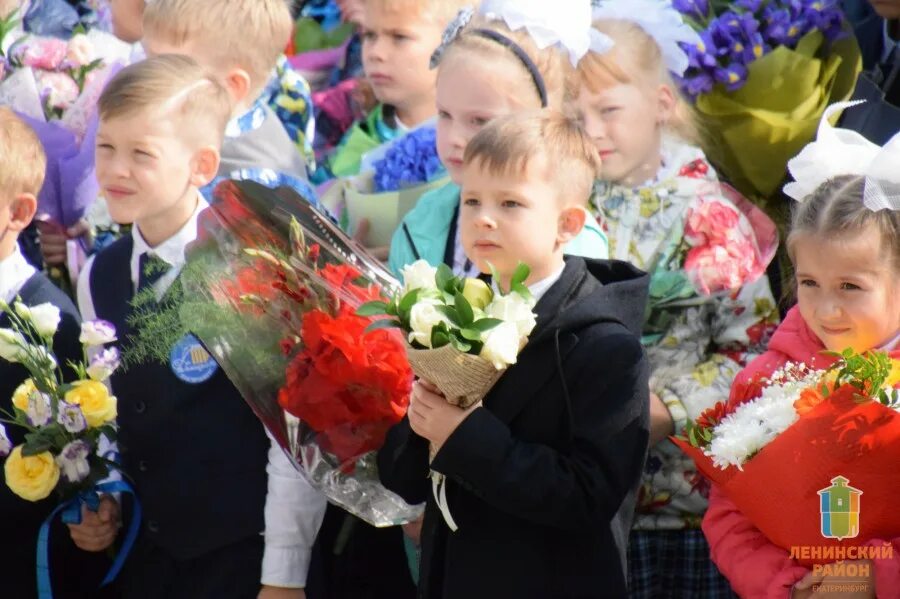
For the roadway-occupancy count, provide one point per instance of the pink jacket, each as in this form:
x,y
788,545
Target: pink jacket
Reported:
x,y
756,568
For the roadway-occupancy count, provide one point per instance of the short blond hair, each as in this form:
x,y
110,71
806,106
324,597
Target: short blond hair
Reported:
x,y
247,34
507,145
23,161
440,12
170,81
551,62
635,56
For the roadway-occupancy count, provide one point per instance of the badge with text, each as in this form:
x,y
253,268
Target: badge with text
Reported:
x,y
191,362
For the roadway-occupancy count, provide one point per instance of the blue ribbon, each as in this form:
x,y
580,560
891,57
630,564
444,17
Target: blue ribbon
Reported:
x,y
71,514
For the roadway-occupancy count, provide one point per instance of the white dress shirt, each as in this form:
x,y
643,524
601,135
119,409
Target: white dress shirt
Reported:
x,y
539,288
14,273
294,509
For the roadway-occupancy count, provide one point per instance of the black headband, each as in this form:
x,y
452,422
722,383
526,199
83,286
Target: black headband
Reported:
x,y
521,55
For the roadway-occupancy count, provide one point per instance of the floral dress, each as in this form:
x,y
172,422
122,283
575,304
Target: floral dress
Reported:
x,y
710,307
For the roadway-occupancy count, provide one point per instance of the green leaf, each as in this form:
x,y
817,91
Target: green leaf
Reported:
x,y
466,316
470,334
373,308
521,290
486,324
406,304
450,313
383,323
495,277
460,344
520,274
439,337
36,447
444,278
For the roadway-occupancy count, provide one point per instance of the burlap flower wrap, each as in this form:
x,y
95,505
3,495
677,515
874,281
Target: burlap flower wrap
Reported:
x,y
464,379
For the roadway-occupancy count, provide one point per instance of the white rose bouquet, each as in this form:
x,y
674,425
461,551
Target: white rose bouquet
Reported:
x,y
461,335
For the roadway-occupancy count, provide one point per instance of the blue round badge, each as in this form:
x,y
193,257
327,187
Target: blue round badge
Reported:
x,y
191,362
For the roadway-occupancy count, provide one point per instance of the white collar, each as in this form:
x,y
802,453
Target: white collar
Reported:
x,y
889,43
171,250
14,273
541,287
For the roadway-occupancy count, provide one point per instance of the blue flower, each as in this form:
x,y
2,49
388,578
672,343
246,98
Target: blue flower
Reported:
x,y
782,27
749,5
702,55
696,9
411,161
700,83
733,76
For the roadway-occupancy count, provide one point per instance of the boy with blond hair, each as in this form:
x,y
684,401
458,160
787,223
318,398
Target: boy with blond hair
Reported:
x,y
199,458
21,177
241,42
398,39
541,477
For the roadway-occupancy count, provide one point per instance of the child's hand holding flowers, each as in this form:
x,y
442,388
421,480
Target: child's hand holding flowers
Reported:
x,y
431,417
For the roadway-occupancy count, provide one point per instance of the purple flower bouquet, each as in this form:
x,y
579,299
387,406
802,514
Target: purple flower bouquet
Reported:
x,y
761,77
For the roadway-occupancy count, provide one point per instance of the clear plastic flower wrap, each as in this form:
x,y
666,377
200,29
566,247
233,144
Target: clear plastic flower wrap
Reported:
x,y
271,288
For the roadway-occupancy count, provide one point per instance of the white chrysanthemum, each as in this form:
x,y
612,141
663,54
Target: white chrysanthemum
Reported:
x,y
755,424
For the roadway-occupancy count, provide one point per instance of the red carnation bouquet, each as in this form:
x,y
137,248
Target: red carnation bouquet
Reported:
x,y
271,289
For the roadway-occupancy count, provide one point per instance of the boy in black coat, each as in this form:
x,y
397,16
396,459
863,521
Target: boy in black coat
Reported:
x,y
74,574
876,24
541,477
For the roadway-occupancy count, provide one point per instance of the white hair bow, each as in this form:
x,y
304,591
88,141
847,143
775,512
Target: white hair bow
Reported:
x,y
660,20
566,23
837,152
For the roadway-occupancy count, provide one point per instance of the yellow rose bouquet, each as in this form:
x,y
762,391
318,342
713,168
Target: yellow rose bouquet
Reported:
x,y
69,426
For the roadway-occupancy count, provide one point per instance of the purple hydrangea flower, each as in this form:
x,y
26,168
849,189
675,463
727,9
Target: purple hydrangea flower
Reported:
x,y
411,161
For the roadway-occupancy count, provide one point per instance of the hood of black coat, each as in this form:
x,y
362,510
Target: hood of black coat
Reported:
x,y
592,291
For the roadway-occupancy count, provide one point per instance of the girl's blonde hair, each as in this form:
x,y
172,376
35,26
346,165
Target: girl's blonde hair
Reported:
x,y
551,62
836,209
635,56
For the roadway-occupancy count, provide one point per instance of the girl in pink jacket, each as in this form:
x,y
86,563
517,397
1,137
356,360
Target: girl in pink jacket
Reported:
x,y
847,261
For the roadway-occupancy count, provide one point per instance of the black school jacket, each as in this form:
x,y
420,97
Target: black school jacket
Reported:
x,y
542,479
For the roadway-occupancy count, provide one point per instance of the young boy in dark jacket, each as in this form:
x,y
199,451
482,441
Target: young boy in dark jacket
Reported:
x,y
540,476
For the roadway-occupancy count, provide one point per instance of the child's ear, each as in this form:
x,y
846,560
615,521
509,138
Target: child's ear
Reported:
x,y
571,222
204,166
21,211
238,83
667,103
